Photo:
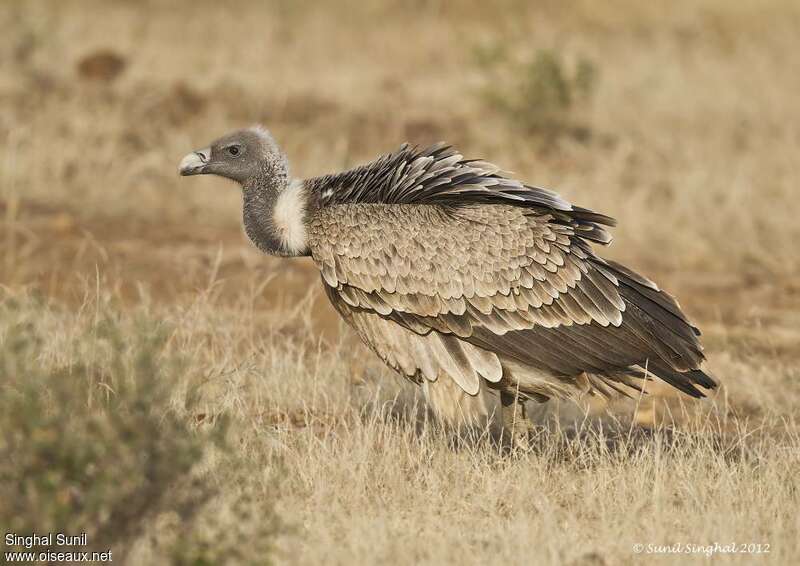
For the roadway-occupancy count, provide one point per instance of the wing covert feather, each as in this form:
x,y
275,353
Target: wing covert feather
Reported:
x,y
473,285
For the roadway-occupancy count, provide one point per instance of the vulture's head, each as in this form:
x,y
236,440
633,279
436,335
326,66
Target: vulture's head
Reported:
x,y
239,156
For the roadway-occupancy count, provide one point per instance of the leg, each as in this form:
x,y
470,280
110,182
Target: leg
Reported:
x,y
515,423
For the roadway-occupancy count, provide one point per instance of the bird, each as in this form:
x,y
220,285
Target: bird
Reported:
x,y
463,279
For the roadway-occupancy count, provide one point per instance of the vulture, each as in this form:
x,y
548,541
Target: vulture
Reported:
x,y
463,279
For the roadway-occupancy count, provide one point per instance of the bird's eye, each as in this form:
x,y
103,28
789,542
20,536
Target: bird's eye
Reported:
x,y
234,150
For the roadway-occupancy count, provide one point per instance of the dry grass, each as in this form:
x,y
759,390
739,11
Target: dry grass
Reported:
x,y
691,142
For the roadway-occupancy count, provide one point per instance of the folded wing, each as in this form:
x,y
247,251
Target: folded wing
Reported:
x,y
501,292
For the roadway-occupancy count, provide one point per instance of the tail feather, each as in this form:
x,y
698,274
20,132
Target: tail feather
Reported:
x,y
684,381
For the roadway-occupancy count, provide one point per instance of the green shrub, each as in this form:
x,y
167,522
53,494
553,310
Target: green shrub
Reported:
x,y
541,95
97,448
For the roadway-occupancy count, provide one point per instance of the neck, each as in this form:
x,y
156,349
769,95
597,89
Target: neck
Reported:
x,y
275,211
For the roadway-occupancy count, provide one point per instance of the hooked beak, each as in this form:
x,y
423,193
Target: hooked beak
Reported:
x,y
195,163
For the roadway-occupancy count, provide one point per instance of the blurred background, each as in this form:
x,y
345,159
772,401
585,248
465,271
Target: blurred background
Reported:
x,y
680,119
679,122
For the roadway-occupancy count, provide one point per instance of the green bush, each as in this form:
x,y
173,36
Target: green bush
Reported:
x,y
541,95
97,447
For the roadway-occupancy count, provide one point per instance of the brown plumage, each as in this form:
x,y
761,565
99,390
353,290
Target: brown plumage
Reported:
x,y
448,269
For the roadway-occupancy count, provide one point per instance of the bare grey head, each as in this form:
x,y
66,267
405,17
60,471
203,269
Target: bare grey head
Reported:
x,y
238,156
274,206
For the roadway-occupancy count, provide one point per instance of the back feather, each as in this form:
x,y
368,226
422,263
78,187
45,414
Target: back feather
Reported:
x,y
440,175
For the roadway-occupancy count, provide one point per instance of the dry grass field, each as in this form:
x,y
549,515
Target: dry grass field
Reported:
x,y
183,399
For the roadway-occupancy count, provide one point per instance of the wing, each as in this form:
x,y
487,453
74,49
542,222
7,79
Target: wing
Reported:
x,y
518,285
427,360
